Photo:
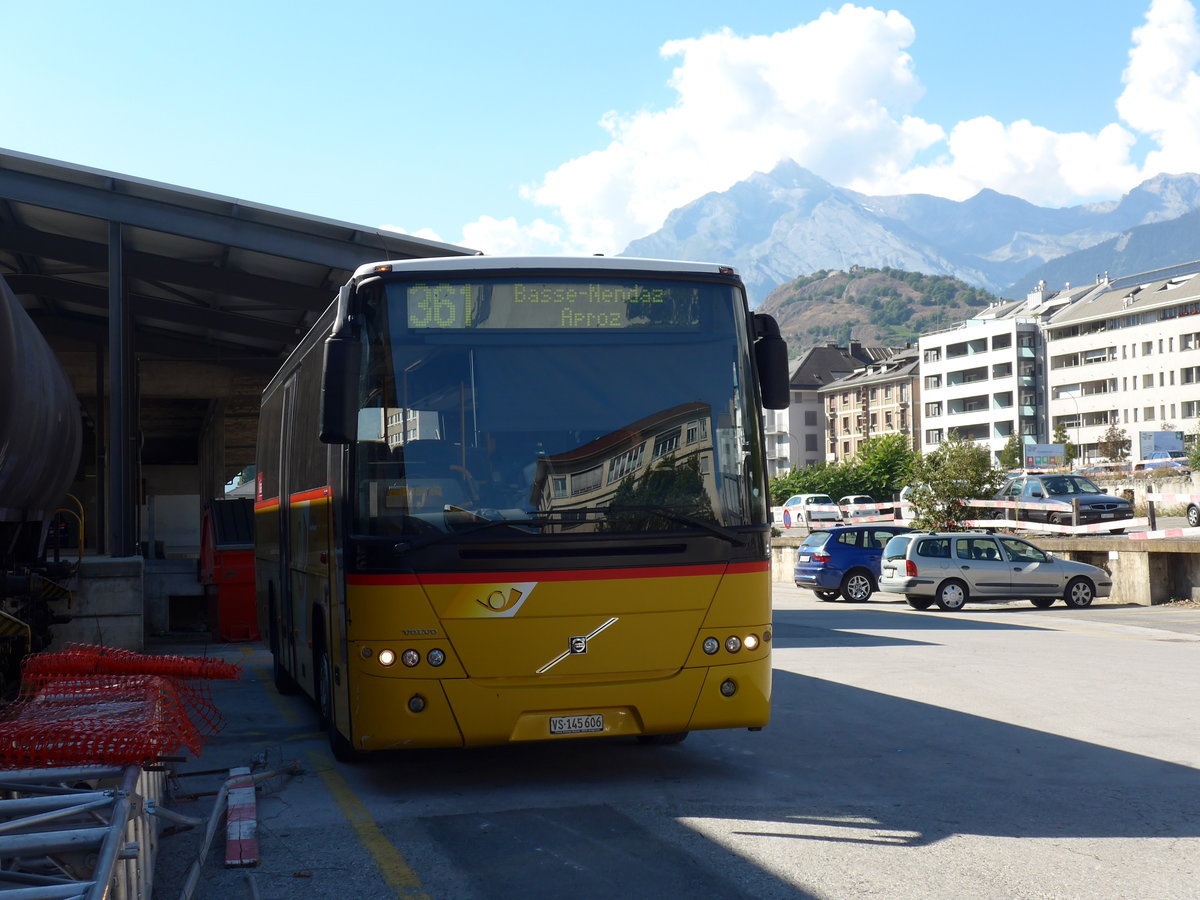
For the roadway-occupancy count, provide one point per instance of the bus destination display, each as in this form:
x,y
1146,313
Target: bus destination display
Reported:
x,y
551,305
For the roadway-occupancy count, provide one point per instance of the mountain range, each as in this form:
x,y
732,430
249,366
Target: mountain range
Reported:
x,y
786,223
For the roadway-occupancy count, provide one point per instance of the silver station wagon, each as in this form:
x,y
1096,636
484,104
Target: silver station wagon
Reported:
x,y
951,569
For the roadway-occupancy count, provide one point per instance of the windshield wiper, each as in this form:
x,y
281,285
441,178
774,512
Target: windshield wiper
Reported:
x,y
667,513
482,524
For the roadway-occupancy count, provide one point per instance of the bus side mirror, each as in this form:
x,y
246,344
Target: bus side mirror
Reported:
x,y
770,360
339,388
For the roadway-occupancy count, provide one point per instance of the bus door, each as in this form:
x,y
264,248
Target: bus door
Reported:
x,y
287,611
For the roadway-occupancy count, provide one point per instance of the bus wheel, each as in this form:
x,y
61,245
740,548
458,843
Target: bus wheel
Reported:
x,y
342,749
675,737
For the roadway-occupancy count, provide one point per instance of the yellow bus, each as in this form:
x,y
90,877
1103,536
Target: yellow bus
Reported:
x,y
522,499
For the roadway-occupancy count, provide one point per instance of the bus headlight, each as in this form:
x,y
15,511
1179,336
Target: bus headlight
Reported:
x,y
416,703
410,658
387,657
435,657
711,645
733,644
728,687
751,642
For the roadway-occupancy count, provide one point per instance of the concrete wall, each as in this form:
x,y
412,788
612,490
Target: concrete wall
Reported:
x,y
106,605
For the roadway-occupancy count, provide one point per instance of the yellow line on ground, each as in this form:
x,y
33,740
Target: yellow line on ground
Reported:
x,y
394,868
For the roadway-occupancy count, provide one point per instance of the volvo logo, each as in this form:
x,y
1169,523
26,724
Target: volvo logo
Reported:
x,y
576,645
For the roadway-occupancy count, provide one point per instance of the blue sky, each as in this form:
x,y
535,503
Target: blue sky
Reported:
x,y
551,127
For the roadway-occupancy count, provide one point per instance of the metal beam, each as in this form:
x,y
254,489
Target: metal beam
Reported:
x,y
349,251
152,267
120,500
143,306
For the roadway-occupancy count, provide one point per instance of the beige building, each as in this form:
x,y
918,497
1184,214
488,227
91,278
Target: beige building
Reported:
x,y
879,398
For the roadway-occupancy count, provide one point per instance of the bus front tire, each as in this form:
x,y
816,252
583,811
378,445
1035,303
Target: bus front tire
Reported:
x,y
339,746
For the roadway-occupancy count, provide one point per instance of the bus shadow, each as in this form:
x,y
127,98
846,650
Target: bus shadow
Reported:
x,y
838,764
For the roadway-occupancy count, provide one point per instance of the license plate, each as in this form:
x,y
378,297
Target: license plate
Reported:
x,y
803,557
889,571
576,724
1108,515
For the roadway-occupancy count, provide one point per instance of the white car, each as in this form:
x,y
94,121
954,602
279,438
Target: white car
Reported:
x,y
798,510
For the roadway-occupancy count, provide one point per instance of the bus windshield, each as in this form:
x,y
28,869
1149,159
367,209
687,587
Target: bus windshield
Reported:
x,y
558,405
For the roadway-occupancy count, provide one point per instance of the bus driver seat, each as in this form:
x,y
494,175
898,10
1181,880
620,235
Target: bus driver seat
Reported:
x,y
434,475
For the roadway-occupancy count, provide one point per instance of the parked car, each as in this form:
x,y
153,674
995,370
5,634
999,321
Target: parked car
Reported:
x,y
843,560
856,500
797,510
1162,465
1193,515
1041,498
950,569
1103,469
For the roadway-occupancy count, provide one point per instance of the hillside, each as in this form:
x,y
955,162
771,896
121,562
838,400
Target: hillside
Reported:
x,y
877,307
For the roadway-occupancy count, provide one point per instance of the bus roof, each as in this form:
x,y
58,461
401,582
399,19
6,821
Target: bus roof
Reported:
x,y
477,263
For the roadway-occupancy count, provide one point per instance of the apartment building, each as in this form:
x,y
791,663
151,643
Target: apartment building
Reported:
x,y
1127,354
879,398
801,427
981,379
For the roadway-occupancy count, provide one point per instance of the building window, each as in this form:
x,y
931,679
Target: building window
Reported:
x,y
1148,414
933,355
558,484
1001,370
887,420
810,418
933,382
933,436
585,482
665,443
1147,348
1000,341
627,462
933,409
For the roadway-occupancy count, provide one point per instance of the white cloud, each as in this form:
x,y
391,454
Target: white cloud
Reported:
x,y
832,94
1162,88
836,95
505,237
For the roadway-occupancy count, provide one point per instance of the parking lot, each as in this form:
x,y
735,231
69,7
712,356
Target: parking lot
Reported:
x,y
1000,751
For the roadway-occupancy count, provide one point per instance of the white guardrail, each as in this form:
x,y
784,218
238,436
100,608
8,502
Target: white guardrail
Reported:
x,y
1151,499
861,513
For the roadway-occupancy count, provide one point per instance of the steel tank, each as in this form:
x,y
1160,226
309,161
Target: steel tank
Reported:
x,y
40,421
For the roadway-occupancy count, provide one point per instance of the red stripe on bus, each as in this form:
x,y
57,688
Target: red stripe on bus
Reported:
x,y
266,505
320,493
558,575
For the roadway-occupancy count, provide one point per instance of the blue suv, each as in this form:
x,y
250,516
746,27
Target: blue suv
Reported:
x,y
843,560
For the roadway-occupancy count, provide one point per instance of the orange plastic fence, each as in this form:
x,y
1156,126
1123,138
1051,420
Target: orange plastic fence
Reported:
x,y
97,705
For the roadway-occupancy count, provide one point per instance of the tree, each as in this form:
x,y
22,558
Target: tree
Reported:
x,y
1070,451
1011,453
674,487
958,469
1194,451
1114,444
883,465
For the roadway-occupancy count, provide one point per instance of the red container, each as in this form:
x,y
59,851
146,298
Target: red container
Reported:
x,y
227,568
